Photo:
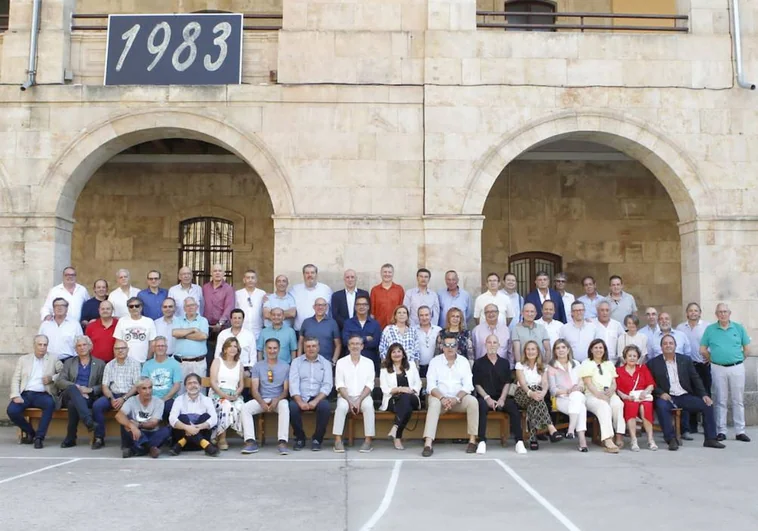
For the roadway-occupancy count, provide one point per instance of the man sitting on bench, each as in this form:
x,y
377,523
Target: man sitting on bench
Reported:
x,y
140,418
677,384
32,386
193,416
449,384
492,380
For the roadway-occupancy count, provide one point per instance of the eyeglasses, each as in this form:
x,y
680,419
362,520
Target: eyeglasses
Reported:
x,y
120,349
153,278
270,375
70,275
449,345
559,280
133,306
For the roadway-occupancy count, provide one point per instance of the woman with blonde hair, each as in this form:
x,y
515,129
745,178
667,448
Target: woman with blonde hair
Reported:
x,y
530,394
456,326
568,390
400,331
227,383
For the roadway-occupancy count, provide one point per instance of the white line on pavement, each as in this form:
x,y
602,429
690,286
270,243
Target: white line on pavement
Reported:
x,y
562,518
252,459
368,526
7,480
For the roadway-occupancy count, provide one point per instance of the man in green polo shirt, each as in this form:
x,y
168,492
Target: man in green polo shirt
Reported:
x,y
725,345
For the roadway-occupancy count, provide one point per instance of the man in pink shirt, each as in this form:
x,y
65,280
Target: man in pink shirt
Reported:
x,y
219,303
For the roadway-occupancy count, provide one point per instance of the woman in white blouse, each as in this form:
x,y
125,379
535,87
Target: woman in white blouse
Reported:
x,y
631,337
568,390
531,391
400,331
401,385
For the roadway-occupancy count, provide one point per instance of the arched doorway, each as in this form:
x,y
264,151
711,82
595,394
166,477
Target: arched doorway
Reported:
x,y
619,211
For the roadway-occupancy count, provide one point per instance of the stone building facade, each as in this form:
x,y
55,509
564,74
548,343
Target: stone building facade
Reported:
x,y
368,131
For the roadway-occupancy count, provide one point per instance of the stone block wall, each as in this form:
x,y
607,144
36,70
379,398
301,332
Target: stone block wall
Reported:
x,y
602,218
128,216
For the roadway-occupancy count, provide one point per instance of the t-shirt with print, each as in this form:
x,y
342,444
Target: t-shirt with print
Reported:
x,y
137,334
163,375
134,410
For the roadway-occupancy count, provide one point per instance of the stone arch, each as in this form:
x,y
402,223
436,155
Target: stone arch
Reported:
x,y
68,175
669,163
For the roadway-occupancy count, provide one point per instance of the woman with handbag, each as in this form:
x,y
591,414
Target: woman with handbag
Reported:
x,y
568,390
634,385
401,385
599,376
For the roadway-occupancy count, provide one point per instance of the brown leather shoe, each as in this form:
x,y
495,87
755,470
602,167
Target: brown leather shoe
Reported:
x,y
154,452
427,452
471,448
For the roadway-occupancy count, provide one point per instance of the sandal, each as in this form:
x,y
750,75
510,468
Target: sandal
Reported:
x,y
634,447
556,437
534,444
653,447
583,449
610,447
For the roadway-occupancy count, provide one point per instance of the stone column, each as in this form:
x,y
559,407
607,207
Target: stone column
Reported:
x,y
707,17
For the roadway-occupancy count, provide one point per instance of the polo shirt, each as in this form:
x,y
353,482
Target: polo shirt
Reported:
x,y
384,301
152,302
287,341
102,339
500,299
138,334
280,372
285,303
725,345
492,377
622,307
326,331
304,299
189,348
163,375
523,333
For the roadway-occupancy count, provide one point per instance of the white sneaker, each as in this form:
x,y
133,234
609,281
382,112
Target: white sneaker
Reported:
x,y
520,448
481,448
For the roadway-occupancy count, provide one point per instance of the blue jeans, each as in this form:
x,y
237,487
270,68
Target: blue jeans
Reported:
x,y
322,419
78,408
147,438
192,440
689,403
36,399
99,408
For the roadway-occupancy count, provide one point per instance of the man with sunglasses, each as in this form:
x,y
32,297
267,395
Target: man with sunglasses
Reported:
x,y
137,331
250,300
270,388
153,296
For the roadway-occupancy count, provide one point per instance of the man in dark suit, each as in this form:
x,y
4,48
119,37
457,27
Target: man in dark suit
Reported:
x,y
543,292
678,385
343,301
80,383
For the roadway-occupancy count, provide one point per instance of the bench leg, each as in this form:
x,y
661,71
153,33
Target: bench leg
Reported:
x,y
504,430
678,424
350,429
260,426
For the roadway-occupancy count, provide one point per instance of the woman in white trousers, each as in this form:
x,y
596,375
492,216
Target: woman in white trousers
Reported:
x,y
599,376
567,388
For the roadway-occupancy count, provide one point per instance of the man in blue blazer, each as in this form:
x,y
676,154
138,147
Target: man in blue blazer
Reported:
x,y
543,292
343,301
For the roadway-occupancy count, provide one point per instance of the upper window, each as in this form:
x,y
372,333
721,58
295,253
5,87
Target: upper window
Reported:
x,y
204,242
537,7
526,266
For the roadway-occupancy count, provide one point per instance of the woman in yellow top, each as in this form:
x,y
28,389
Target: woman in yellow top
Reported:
x,y
599,376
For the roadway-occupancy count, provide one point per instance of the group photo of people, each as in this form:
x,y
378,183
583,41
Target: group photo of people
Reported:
x,y
187,367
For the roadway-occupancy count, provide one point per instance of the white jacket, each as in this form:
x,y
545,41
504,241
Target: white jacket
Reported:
x,y
388,381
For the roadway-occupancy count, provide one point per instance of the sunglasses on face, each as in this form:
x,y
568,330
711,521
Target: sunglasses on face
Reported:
x,y
133,306
153,278
449,345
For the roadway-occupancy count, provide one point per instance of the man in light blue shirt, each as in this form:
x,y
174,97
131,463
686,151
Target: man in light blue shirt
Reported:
x,y
651,329
280,298
310,384
191,333
285,335
420,296
453,296
664,328
591,298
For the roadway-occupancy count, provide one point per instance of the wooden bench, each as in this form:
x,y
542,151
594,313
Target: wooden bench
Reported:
x,y
33,415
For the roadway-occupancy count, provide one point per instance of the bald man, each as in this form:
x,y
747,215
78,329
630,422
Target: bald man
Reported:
x,y
343,301
185,289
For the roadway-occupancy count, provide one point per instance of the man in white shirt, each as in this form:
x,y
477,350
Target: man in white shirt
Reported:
x,y
449,384
185,289
137,331
559,284
165,325
420,296
426,332
305,294
510,288
590,298
552,326
245,338
123,292
578,332
61,331
250,300
493,295
354,381
608,329
75,294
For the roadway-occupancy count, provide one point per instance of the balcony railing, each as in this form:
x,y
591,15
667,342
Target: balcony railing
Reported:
x,y
672,23
258,22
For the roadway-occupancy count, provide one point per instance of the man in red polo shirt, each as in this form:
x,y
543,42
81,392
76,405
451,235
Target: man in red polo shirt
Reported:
x,y
386,296
101,331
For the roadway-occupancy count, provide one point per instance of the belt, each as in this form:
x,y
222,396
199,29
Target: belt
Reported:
x,y
727,364
182,360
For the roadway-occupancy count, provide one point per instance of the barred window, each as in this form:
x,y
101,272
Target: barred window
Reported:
x,y
538,7
204,242
526,266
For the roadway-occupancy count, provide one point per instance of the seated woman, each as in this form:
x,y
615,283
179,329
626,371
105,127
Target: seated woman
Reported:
x,y
632,337
227,383
531,391
456,326
400,331
401,385
599,376
568,390
192,418
634,385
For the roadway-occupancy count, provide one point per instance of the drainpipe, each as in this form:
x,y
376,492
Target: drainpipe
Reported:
x,y
32,70
737,36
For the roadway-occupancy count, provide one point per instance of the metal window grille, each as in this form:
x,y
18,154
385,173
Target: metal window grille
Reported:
x,y
204,242
543,10
526,266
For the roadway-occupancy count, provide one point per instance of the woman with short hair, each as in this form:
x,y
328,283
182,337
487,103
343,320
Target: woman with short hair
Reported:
x,y
632,337
635,387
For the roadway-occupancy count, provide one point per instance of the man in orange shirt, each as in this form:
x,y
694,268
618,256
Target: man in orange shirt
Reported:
x,y
385,297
